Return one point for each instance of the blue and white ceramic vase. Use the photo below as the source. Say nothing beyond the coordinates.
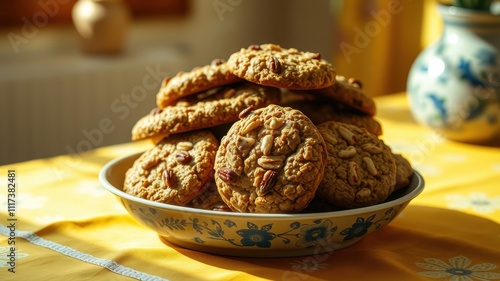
(454, 85)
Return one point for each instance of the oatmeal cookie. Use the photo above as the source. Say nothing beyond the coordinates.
(272, 65)
(350, 93)
(320, 111)
(210, 200)
(197, 80)
(270, 161)
(205, 110)
(174, 171)
(361, 169)
(404, 171)
(319, 205)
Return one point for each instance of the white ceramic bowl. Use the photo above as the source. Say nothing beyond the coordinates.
(256, 235)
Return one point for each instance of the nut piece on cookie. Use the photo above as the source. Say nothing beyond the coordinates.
(270, 161)
(272, 65)
(361, 169)
(199, 79)
(174, 171)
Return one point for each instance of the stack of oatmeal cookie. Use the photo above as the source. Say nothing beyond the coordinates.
(270, 130)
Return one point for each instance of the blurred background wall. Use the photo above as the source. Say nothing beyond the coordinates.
(57, 99)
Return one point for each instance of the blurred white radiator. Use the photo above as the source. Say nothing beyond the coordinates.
(77, 104)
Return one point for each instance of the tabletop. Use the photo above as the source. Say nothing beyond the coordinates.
(59, 223)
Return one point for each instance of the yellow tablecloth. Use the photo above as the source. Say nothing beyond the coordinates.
(65, 226)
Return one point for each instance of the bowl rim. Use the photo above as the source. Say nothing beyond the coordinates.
(417, 177)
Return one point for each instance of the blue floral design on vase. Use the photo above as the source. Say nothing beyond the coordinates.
(454, 85)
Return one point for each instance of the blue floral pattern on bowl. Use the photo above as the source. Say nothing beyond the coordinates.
(256, 235)
(303, 234)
